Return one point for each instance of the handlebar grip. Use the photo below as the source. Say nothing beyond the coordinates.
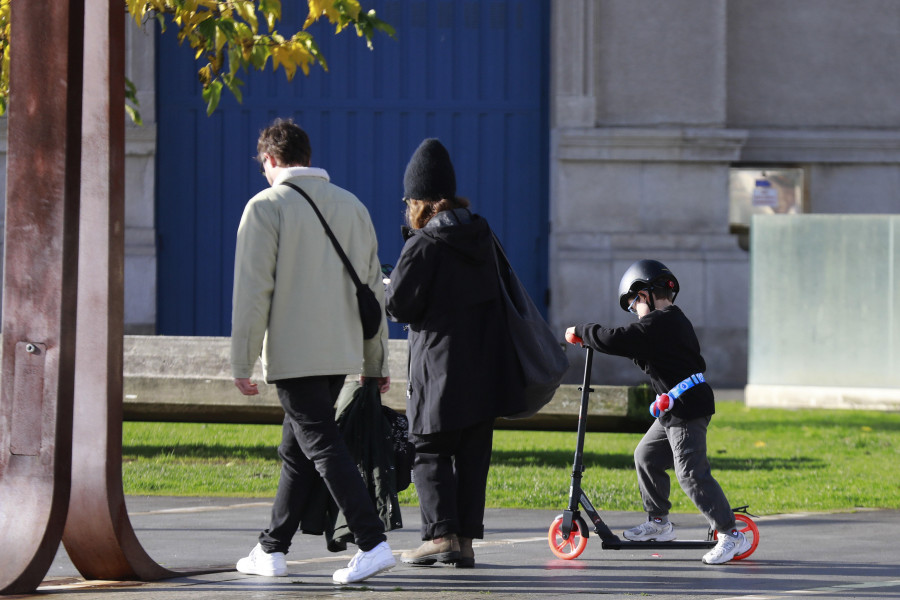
(573, 339)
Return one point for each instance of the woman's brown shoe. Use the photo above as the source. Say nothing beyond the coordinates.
(445, 550)
(466, 554)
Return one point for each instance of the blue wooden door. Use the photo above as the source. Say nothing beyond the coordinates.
(472, 73)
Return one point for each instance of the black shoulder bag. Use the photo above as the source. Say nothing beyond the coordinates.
(540, 355)
(370, 312)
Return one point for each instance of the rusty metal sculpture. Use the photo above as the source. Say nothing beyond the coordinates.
(40, 277)
(61, 402)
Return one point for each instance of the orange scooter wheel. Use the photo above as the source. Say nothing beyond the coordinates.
(746, 526)
(567, 549)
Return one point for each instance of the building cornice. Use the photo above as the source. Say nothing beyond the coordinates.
(634, 144)
(822, 146)
(644, 144)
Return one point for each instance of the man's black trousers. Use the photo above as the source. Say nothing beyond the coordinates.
(312, 447)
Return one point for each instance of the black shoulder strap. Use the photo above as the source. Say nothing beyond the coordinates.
(330, 234)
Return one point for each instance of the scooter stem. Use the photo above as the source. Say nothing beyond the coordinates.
(578, 463)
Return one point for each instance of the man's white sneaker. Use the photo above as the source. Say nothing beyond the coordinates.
(651, 531)
(730, 545)
(262, 563)
(365, 564)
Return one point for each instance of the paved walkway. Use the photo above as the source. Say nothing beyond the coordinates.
(831, 556)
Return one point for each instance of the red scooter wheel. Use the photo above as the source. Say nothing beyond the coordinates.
(750, 531)
(567, 549)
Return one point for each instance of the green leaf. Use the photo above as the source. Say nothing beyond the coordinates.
(381, 26)
(235, 59)
(271, 9)
(207, 28)
(133, 114)
(259, 55)
(130, 91)
(212, 94)
(234, 84)
(131, 97)
(226, 26)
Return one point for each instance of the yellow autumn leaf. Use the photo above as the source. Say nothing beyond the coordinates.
(302, 56)
(220, 40)
(204, 74)
(247, 45)
(247, 11)
(319, 8)
(281, 56)
(272, 16)
(276, 57)
(353, 9)
(198, 17)
(137, 10)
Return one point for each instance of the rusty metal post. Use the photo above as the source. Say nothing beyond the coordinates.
(98, 535)
(40, 272)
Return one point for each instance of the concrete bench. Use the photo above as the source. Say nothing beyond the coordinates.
(169, 378)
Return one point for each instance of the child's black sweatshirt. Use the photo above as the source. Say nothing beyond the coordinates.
(663, 344)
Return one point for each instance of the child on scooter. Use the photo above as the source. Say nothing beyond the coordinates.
(663, 344)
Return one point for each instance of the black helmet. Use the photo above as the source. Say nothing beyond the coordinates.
(646, 274)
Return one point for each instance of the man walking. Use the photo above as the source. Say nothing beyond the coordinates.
(295, 306)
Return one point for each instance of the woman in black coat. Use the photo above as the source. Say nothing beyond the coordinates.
(445, 285)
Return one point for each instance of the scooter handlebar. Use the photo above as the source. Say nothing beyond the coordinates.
(573, 339)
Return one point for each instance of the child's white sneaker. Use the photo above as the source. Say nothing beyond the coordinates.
(262, 563)
(651, 531)
(730, 545)
(366, 564)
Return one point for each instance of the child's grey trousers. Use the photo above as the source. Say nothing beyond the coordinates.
(680, 446)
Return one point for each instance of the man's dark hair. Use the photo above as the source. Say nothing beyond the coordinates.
(287, 142)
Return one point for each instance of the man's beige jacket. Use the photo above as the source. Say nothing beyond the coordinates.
(294, 303)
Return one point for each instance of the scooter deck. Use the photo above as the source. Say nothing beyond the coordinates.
(673, 545)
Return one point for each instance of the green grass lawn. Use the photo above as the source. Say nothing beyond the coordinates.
(774, 460)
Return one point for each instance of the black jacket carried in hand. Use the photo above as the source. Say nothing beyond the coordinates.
(664, 345)
(368, 430)
(445, 285)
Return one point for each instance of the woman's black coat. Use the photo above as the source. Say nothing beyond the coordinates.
(446, 286)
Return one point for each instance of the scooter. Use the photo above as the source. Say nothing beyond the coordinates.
(569, 533)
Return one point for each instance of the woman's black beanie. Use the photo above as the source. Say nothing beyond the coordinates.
(429, 174)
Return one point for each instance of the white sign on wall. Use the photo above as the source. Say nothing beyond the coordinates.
(764, 194)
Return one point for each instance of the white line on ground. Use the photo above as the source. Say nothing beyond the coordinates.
(833, 589)
(197, 509)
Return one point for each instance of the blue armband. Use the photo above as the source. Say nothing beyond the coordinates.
(685, 385)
